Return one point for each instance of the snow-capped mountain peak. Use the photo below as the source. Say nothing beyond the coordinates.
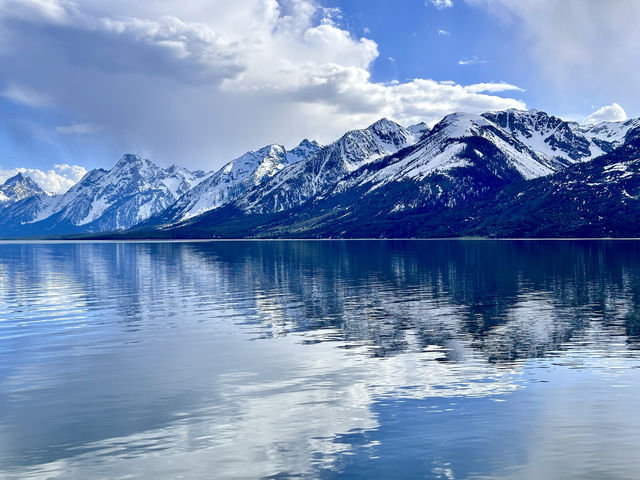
(305, 149)
(608, 135)
(237, 177)
(119, 198)
(393, 168)
(18, 187)
(446, 147)
(391, 135)
(460, 124)
(558, 141)
(255, 165)
(419, 129)
(129, 159)
(303, 180)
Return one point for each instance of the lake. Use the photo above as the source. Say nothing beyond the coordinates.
(331, 359)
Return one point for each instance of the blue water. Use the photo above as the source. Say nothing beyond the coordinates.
(357, 359)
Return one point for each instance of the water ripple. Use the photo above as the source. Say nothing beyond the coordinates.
(452, 359)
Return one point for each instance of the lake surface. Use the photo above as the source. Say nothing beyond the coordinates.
(357, 359)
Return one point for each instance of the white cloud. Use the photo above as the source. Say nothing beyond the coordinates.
(200, 82)
(608, 113)
(57, 180)
(441, 3)
(78, 129)
(471, 61)
(25, 96)
(493, 88)
(54, 11)
(445, 33)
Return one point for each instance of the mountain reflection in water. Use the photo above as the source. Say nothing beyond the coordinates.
(345, 359)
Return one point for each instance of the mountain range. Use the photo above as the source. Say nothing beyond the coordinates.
(503, 174)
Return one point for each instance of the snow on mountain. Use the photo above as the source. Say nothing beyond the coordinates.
(558, 141)
(21, 199)
(524, 159)
(304, 150)
(302, 180)
(235, 178)
(132, 191)
(19, 187)
(381, 170)
(468, 176)
(419, 129)
(447, 147)
(608, 135)
(600, 198)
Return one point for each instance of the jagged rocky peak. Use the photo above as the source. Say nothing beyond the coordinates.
(390, 133)
(20, 179)
(608, 135)
(308, 144)
(301, 181)
(18, 187)
(132, 161)
(529, 123)
(177, 170)
(460, 124)
(257, 163)
(266, 159)
(457, 131)
(305, 149)
(177, 180)
(419, 129)
(270, 160)
(384, 124)
(129, 158)
(524, 121)
(119, 198)
(545, 134)
(235, 178)
(381, 138)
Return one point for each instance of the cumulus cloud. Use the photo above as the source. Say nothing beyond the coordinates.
(445, 33)
(199, 82)
(57, 180)
(440, 4)
(608, 113)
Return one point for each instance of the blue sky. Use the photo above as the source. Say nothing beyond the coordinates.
(427, 42)
(198, 83)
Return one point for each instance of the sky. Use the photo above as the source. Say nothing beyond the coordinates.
(198, 83)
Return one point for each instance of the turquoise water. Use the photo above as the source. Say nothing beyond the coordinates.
(360, 359)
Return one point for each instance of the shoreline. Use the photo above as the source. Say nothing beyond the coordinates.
(209, 240)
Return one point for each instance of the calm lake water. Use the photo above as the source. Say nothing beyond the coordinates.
(360, 360)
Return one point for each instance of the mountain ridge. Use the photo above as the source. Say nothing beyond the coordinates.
(381, 181)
